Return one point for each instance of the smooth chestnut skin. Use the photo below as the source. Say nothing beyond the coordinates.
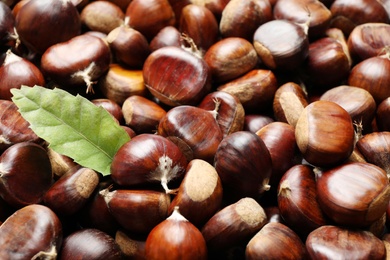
(358, 102)
(354, 194)
(120, 82)
(159, 14)
(289, 102)
(175, 238)
(382, 115)
(281, 44)
(25, 173)
(13, 127)
(128, 46)
(244, 165)
(297, 200)
(85, 58)
(69, 194)
(230, 58)
(242, 18)
(375, 148)
(141, 114)
(279, 137)
(368, 40)
(32, 232)
(231, 113)
(36, 29)
(200, 24)
(148, 158)
(371, 75)
(333, 242)
(91, 244)
(346, 14)
(167, 36)
(137, 211)
(16, 71)
(112, 107)
(255, 89)
(185, 81)
(313, 12)
(102, 16)
(325, 133)
(200, 193)
(195, 130)
(275, 235)
(7, 21)
(254, 122)
(233, 224)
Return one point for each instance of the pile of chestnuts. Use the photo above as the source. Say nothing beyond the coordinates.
(260, 129)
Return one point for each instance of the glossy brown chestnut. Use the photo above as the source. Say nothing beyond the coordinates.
(85, 58)
(333, 242)
(233, 224)
(279, 137)
(325, 133)
(216, 6)
(230, 58)
(102, 16)
(313, 12)
(69, 194)
(36, 29)
(167, 36)
(382, 115)
(242, 18)
(132, 246)
(281, 44)
(119, 83)
(371, 75)
(200, 193)
(159, 14)
(175, 238)
(255, 89)
(32, 232)
(7, 21)
(137, 211)
(368, 40)
(91, 244)
(289, 102)
(254, 122)
(148, 158)
(111, 106)
(297, 200)
(231, 113)
(195, 130)
(16, 71)
(354, 194)
(185, 80)
(13, 127)
(375, 148)
(275, 235)
(244, 165)
(200, 24)
(128, 46)
(25, 173)
(141, 114)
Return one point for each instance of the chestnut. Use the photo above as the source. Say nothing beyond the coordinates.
(91, 244)
(167, 36)
(230, 58)
(334, 242)
(325, 133)
(148, 158)
(275, 235)
(254, 122)
(353, 194)
(132, 246)
(381, 116)
(234, 223)
(7, 21)
(111, 106)
(36, 29)
(32, 232)
(175, 238)
(244, 165)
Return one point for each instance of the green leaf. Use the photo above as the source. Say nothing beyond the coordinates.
(72, 125)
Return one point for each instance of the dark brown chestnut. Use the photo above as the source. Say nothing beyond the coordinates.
(167, 36)
(148, 158)
(254, 122)
(36, 29)
(111, 106)
(382, 115)
(244, 165)
(32, 232)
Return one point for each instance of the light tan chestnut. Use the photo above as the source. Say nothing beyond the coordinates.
(233, 224)
(200, 193)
